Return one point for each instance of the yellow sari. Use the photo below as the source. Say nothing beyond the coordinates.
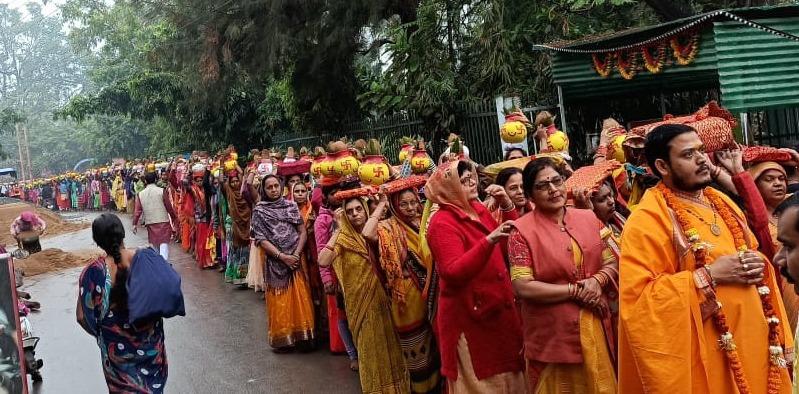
(118, 193)
(382, 366)
(407, 264)
(595, 375)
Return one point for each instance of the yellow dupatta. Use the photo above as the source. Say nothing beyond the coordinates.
(382, 365)
(354, 270)
(396, 238)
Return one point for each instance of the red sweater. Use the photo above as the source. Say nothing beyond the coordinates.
(756, 213)
(475, 296)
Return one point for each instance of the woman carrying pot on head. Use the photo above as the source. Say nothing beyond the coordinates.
(405, 267)
(279, 230)
(478, 324)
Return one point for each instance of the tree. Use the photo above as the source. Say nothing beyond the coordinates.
(668, 10)
(9, 118)
(141, 71)
(39, 72)
(205, 74)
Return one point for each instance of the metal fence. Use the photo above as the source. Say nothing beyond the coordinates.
(388, 130)
(475, 121)
(477, 125)
(776, 127)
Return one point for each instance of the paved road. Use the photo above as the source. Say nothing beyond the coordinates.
(219, 347)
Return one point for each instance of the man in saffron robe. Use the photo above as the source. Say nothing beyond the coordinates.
(700, 310)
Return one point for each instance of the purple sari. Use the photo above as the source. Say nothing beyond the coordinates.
(276, 222)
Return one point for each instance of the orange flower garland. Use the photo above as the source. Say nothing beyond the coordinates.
(627, 64)
(685, 47)
(603, 67)
(726, 341)
(685, 54)
(654, 63)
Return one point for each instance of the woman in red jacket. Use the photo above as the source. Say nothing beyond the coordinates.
(477, 321)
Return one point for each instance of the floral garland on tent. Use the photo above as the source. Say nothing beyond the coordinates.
(654, 61)
(627, 64)
(685, 54)
(684, 48)
(603, 67)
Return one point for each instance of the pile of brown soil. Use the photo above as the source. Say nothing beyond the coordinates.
(49, 260)
(55, 224)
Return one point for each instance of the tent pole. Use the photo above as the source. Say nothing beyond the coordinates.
(562, 107)
(745, 126)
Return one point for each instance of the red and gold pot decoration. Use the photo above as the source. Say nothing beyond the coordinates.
(230, 162)
(513, 132)
(327, 166)
(374, 170)
(406, 149)
(316, 164)
(340, 162)
(345, 163)
(420, 161)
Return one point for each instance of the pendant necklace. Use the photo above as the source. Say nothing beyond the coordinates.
(714, 227)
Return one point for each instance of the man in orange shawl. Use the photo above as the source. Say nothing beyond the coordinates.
(700, 309)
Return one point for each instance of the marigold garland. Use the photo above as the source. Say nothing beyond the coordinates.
(726, 341)
(685, 54)
(603, 67)
(685, 47)
(654, 63)
(627, 64)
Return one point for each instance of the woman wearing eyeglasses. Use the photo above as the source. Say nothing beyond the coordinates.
(480, 335)
(560, 269)
(404, 264)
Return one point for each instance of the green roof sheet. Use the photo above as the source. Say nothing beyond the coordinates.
(757, 70)
(578, 79)
(640, 35)
(753, 59)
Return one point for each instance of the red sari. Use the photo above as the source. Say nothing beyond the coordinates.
(62, 199)
(201, 245)
(186, 220)
(105, 195)
(203, 232)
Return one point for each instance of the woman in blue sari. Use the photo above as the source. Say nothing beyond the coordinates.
(74, 193)
(133, 356)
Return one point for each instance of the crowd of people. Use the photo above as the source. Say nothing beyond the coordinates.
(660, 266)
(106, 188)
